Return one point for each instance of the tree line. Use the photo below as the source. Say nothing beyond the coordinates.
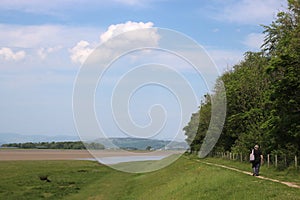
(262, 94)
(54, 145)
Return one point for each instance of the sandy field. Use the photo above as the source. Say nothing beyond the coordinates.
(49, 154)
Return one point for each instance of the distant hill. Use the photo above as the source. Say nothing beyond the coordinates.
(140, 143)
(20, 138)
(124, 143)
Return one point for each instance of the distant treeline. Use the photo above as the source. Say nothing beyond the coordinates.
(55, 145)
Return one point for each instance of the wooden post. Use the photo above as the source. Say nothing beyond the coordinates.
(296, 162)
(268, 160)
(276, 160)
(229, 156)
(285, 163)
(241, 157)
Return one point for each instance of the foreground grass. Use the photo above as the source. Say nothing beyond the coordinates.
(184, 179)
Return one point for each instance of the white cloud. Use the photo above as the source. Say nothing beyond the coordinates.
(129, 2)
(38, 36)
(254, 41)
(249, 11)
(9, 55)
(58, 7)
(225, 59)
(82, 49)
(43, 52)
(116, 29)
(80, 52)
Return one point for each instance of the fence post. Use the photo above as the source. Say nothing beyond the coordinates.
(276, 160)
(285, 162)
(296, 162)
(268, 160)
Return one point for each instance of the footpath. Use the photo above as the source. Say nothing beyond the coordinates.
(249, 173)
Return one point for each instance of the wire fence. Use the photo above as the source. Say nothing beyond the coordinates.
(279, 161)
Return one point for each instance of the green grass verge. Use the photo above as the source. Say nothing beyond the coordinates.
(146, 166)
(290, 174)
(184, 179)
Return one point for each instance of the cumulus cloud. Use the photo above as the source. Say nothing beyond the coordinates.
(249, 11)
(43, 52)
(8, 54)
(82, 49)
(117, 29)
(80, 52)
(37, 36)
(254, 41)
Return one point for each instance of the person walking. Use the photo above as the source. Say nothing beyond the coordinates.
(258, 160)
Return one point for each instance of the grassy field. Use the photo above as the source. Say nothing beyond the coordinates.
(184, 179)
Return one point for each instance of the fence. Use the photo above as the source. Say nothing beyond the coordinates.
(279, 161)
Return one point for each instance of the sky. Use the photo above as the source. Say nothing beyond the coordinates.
(44, 46)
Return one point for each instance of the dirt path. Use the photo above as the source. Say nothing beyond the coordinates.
(249, 173)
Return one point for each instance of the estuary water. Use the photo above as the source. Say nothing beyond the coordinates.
(120, 159)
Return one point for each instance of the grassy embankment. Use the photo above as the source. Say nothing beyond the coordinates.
(184, 179)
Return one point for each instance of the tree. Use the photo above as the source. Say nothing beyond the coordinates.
(263, 95)
(198, 126)
(282, 43)
(148, 148)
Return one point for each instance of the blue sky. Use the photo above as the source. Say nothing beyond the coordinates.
(44, 43)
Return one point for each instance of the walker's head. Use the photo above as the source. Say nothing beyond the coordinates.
(256, 146)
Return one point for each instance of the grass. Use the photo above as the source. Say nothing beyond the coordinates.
(146, 166)
(289, 175)
(184, 179)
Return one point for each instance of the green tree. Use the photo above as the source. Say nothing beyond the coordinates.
(198, 126)
(282, 43)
